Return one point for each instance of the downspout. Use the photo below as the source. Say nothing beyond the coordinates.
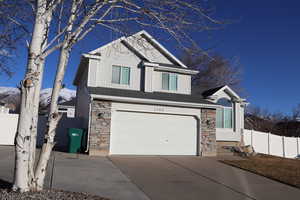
(200, 134)
(89, 126)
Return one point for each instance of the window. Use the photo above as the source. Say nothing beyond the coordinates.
(224, 116)
(120, 75)
(169, 81)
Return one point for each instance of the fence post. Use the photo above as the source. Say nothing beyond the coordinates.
(269, 143)
(252, 137)
(297, 139)
(283, 147)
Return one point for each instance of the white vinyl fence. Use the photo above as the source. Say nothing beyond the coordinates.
(271, 144)
(9, 123)
(8, 128)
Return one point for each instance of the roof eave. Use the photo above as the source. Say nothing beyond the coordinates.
(154, 101)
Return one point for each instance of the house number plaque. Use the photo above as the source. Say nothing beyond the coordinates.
(159, 109)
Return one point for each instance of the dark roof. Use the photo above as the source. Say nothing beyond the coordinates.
(149, 95)
(211, 91)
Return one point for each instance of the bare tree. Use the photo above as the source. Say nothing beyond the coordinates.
(296, 113)
(214, 70)
(62, 24)
(12, 30)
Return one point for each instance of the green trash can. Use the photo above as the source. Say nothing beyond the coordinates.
(75, 140)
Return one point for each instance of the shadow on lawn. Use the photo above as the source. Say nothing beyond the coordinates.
(5, 185)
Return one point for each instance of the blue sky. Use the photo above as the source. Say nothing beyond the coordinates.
(265, 36)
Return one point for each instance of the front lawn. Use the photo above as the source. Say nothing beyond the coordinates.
(281, 169)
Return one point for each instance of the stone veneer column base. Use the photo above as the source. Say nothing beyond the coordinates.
(208, 132)
(94, 152)
(99, 136)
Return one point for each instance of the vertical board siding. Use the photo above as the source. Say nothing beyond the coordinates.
(9, 123)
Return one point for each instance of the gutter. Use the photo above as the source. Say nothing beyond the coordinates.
(155, 102)
(89, 127)
(171, 69)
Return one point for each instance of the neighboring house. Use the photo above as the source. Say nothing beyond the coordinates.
(3, 109)
(6, 105)
(135, 98)
(68, 108)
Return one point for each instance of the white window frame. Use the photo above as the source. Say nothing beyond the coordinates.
(223, 118)
(121, 75)
(169, 81)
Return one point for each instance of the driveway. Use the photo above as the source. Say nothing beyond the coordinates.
(79, 173)
(194, 178)
(155, 178)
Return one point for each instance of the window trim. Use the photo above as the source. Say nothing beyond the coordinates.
(121, 75)
(223, 118)
(169, 81)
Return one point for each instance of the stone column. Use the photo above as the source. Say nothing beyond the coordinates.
(99, 136)
(208, 132)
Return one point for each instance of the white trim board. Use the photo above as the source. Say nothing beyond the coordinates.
(152, 101)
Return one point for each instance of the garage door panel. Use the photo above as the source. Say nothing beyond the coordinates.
(153, 134)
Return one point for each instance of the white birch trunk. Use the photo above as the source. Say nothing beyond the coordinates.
(34, 125)
(30, 86)
(36, 105)
(54, 116)
(53, 120)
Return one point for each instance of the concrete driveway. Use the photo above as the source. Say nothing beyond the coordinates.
(155, 178)
(194, 178)
(79, 173)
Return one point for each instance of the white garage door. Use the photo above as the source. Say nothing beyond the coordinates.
(153, 134)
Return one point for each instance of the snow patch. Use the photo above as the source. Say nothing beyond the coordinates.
(45, 96)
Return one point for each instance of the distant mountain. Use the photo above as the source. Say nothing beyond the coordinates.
(64, 95)
(11, 95)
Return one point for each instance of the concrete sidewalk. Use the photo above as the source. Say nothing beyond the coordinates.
(194, 178)
(93, 175)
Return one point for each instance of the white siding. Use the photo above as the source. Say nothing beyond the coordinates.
(147, 50)
(100, 74)
(100, 71)
(224, 134)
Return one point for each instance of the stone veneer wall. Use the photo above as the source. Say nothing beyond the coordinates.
(208, 132)
(99, 136)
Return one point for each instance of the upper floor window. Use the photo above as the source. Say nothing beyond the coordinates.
(120, 75)
(169, 81)
(225, 114)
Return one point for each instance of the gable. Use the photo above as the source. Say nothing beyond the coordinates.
(144, 46)
(221, 92)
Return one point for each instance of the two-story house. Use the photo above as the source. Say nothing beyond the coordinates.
(135, 98)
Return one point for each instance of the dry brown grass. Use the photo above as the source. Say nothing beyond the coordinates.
(281, 169)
